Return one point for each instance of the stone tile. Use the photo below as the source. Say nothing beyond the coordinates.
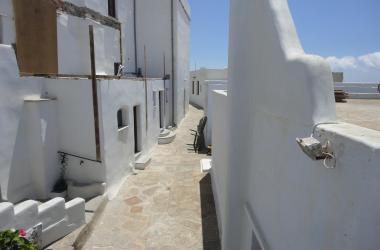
(133, 201)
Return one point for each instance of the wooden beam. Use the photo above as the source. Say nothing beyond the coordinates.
(94, 93)
(146, 90)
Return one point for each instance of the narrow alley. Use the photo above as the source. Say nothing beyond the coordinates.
(167, 206)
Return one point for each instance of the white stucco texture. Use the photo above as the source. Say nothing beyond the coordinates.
(15, 173)
(272, 185)
(118, 145)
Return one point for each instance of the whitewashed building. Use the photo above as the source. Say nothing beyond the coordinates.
(270, 191)
(88, 86)
(202, 83)
(199, 82)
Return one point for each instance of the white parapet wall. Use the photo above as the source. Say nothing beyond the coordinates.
(276, 196)
(210, 87)
(56, 217)
(219, 170)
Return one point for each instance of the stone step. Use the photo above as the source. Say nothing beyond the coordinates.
(165, 132)
(167, 139)
(142, 162)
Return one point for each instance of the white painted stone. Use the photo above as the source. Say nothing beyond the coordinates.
(75, 210)
(167, 139)
(85, 191)
(142, 162)
(26, 214)
(6, 215)
(54, 232)
(51, 212)
(206, 165)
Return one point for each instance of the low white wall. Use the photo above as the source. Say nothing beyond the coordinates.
(210, 87)
(118, 146)
(55, 218)
(219, 170)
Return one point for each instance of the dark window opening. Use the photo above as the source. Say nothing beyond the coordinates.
(198, 88)
(112, 8)
(122, 118)
(137, 128)
(116, 67)
(193, 88)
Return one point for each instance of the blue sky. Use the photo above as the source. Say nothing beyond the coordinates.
(345, 32)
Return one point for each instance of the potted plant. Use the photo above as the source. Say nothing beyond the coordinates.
(15, 240)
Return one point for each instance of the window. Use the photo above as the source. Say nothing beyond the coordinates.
(198, 88)
(116, 67)
(122, 118)
(193, 88)
(112, 8)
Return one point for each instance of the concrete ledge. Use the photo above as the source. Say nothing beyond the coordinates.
(85, 191)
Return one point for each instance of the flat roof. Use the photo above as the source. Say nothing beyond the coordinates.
(365, 113)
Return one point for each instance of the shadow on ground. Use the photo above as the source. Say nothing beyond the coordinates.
(210, 229)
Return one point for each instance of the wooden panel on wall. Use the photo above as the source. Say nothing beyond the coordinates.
(36, 36)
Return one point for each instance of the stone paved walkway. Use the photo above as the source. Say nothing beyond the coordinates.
(167, 206)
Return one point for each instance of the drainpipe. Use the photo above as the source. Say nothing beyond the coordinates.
(173, 65)
(135, 33)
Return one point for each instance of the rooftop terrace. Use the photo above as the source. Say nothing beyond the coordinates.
(365, 113)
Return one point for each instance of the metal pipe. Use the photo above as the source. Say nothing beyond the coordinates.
(173, 65)
(135, 32)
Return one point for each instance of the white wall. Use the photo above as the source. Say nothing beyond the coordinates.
(42, 145)
(154, 33)
(118, 146)
(181, 59)
(7, 29)
(219, 170)
(269, 174)
(13, 155)
(203, 75)
(74, 46)
(210, 87)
